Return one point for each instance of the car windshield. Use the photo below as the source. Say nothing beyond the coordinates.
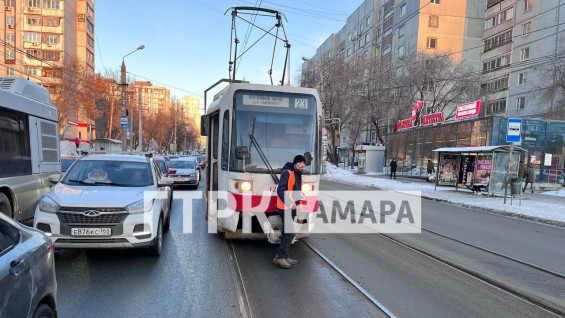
(109, 172)
(66, 164)
(181, 164)
(283, 124)
(200, 158)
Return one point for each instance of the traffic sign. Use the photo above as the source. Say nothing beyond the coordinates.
(513, 133)
(123, 121)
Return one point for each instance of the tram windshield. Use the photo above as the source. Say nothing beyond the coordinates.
(284, 125)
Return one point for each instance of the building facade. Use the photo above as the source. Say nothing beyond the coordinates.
(153, 98)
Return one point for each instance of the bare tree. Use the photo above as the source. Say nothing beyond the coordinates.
(553, 93)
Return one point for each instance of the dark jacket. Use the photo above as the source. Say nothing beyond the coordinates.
(431, 167)
(289, 178)
(530, 174)
(522, 171)
(393, 165)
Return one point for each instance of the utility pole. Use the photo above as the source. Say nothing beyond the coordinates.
(140, 123)
(131, 135)
(124, 85)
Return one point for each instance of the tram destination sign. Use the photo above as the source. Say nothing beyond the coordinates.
(263, 100)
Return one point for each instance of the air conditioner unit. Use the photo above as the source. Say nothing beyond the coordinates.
(49, 44)
(8, 8)
(30, 9)
(10, 26)
(35, 44)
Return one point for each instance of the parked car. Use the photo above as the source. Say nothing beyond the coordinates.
(28, 287)
(185, 171)
(108, 201)
(201, 161)
(67, 162)
(163, 165)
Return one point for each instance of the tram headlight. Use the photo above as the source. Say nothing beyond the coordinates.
(246, 186)
(307, 187)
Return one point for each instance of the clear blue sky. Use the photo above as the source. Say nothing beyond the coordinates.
(187, 42)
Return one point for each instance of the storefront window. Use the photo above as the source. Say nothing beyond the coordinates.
(480, 132)
(400, 152)
(464, 134)
(418, 171)
(428, 145)
(555, 148)
(409, 163)
(439, 137)
(451, 136)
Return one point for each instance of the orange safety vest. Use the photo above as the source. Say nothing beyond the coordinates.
(290, 185)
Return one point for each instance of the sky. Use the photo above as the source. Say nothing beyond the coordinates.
(187, 42)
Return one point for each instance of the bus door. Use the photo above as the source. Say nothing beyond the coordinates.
(213, 137)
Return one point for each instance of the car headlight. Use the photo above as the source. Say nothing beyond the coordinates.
(307, 187)
(192, 175)
(48, 205)
(140, 206)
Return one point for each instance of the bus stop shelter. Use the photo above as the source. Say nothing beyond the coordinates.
(466, 166)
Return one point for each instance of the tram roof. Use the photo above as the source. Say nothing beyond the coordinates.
(502, 148)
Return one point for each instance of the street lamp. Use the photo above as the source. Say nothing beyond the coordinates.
(124, 84)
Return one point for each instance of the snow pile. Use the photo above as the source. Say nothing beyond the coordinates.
(546, 210)
(334, 171)
(560, 193)
(68, 149)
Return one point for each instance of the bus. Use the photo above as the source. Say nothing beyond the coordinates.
(252, 131)
(29, 146)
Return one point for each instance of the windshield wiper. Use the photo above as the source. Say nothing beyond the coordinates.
(98, 183)
(80, 181)
(264, 158)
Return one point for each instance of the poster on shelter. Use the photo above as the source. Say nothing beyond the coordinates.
(484, 166)
(448, 169)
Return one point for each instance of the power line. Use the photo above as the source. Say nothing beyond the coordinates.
(165, 84)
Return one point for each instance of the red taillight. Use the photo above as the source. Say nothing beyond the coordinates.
(52, 246)
(172, 171)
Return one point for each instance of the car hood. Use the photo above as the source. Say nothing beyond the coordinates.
(98, 196)
(183, 171)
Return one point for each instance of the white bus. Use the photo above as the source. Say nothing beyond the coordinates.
(252, 131)
(29, 146)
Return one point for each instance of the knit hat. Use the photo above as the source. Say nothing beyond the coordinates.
(298, 158)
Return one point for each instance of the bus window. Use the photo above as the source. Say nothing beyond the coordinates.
(216, 131)
(14, 149)
(225, 140)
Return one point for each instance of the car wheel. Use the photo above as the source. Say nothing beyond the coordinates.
(167, 223)
(5, 206)
(157, 247)
(43, 311)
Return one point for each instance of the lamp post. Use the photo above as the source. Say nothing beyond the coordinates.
(124, 85)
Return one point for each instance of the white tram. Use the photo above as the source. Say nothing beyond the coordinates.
(253, 130)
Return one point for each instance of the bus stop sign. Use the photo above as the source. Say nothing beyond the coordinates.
(513, 133)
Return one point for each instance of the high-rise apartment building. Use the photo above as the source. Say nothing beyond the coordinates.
(40, 37)
(153, 98)
(191, 107)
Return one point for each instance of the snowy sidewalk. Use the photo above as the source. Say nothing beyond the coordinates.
(542, 207)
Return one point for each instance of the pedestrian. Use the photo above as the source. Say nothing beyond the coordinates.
(287, 203)
(522, 173)
(530, 177)
(431, 170)
(77, 142)
(393, 166)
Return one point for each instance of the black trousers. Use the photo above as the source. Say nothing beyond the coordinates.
(286, 238)
(393, 172)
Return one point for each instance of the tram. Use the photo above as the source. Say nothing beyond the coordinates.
(252, 131)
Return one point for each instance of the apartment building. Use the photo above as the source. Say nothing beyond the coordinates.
(153, 98)
(192, 112)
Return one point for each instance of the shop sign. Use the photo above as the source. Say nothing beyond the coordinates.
(547, 159)
(432, 119)
(468, 110)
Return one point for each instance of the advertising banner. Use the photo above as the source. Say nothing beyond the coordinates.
(468, 110)
(448, 169)
(484, 167)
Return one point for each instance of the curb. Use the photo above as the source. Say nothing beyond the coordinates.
(465, 205)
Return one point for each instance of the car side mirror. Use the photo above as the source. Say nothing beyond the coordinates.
(203, 130)
(241, 152)
(165, 182)
(308, 158)
(54, 178)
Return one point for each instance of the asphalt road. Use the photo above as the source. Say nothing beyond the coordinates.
(193, 277)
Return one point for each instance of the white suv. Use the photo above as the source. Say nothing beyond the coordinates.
(108, 201)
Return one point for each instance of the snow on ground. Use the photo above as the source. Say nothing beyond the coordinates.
(560, 193)
(548, 210)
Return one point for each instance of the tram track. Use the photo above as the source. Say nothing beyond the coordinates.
(508, 288)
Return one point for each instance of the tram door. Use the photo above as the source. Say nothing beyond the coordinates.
(213, 159)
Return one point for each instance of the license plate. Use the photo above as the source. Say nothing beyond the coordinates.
(91, 231)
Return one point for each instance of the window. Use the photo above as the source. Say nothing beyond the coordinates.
(528, 5)
(10, 55)
(90, 26)
(9, 3)
(33, 54)
(354, 47)
(496, 63)
(428, 87)
(32, 37)
(89, 56)
(498, 40)
(348, 52)
(52, 4)
(378, 51)
(401, 51)
(387, 50)
(32, 3)
(401, 30)
(349, 37)
(51, 55)
(379, 33)
(403, 10)
(522, 78)
(367, 38)
(432, 43)
(51, 21)
(499, 18)
(33, 20)
(10, 20)
(387, 32)
(434, 1)
(495, 107)
(496, 85)
(389, 13)
(225, 140)
(524, 54)
(10, 71)
(51, 39)
(521, 103)
(361, 27)
(368, 21)
(433, 21)
(360, 43)
(30, 71)
(10, 37)
(526, 28)
(90, 40)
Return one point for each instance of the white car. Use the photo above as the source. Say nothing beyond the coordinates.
(108, 201)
